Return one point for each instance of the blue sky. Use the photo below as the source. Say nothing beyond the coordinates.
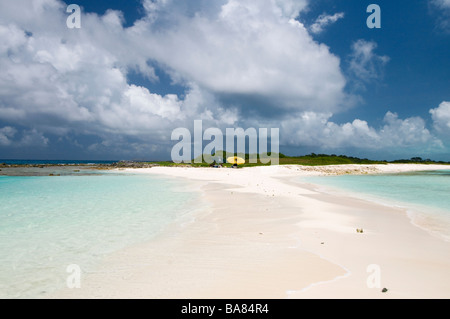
(117, 87)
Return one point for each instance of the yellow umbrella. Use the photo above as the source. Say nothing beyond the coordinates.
(235, 160)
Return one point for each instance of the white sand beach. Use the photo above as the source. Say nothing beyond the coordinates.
(262, 235)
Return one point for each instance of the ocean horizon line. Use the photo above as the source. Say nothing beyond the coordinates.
(324, 159)
(55, 161)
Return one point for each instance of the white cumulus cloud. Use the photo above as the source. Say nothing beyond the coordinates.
(445, 4)
(443, 14)
(226, 54)
(325, 20)
(57, 80)
(314, 129)
(365, 66)
(441, 117)
(248, 48)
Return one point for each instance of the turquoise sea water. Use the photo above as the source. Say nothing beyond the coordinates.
(426, 195)
(49, 223)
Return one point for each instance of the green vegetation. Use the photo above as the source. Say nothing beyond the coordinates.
(308, 160)
(418, 160)
(324, 159)
(220, 157)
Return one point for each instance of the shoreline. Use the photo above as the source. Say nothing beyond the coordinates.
(265, 237)
(419, 214)
(80, 169)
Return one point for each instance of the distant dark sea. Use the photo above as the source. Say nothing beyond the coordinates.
(55, 162)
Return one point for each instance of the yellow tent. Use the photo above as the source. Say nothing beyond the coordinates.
(235, 160)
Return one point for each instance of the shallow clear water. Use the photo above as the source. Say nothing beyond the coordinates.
(49, 223)
(425, 194)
